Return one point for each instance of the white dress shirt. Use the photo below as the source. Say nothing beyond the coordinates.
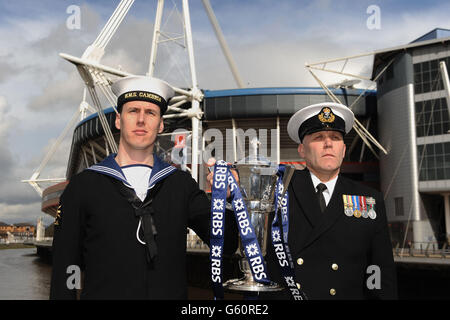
(330, 186)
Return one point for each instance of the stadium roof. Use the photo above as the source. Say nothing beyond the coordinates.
(263, 91)
(279, 90)
(437, 35)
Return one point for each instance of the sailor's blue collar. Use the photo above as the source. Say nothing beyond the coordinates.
(110, 167)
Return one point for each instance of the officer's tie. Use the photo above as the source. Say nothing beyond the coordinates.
(320, 189)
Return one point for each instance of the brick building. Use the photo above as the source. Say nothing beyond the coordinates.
(17, 230)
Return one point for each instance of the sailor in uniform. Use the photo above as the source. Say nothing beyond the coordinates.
(338, 235)
(123, 221)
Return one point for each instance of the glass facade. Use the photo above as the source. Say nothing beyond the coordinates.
(432, 117)
(434, 161)
(427, 76)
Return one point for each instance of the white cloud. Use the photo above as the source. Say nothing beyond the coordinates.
(6, 158)
(17, 213)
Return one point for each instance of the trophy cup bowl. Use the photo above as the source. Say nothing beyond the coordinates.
(257, 180)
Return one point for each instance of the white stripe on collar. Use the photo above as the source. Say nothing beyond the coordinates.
(160, 175)
(108, 170)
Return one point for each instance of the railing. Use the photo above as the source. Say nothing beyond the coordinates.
(423, 250)
(15, 240)
(24, 240)
(43, 239)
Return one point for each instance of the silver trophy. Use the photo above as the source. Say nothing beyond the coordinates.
(257, 179)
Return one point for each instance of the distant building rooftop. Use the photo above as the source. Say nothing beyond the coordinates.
(24, 224)
(433, 34)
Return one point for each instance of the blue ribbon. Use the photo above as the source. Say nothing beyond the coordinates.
(222, 179)
(357, 204)
(280, 238)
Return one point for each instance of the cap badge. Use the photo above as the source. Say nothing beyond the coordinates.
(326, 115)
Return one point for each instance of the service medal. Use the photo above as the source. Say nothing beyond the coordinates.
(364, 212)
(357, 211)
(371, 204)
(348, 205)
(344, 200)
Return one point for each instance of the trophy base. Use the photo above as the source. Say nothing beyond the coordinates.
(246, 284)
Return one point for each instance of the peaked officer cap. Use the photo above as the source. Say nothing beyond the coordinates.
(320, 117)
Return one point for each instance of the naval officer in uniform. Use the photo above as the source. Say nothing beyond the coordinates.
(123, 221)
(338, 234)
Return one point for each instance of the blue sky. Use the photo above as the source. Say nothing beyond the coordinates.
(270, 41)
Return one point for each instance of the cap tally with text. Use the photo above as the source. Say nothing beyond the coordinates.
(142, 88)
(320, 117)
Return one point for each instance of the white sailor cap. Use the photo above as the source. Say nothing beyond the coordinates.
(142, 88)
(320, 117)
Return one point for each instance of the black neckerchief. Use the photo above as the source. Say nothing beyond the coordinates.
(144, 211)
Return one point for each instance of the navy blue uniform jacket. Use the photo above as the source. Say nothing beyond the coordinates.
(97, 232)
(332, 252)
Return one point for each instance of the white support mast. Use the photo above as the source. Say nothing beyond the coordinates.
(363, 132)
(223, 43)
(155, 39)
(34, 180)
(231, 64)
(195, 110)
(96, 78)
(446, 82)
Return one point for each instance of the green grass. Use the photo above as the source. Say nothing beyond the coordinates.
(15, 246)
